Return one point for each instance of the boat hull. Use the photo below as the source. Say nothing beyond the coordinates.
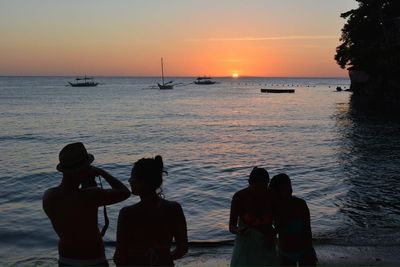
(165, 86)
(83, 84)
(204, 82)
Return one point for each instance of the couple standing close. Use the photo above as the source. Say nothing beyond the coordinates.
(145, 230)
(264, 210)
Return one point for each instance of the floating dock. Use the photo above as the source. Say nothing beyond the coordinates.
(279, 91)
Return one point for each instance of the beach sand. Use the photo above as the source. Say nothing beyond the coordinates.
(220, 256)
(328, 255)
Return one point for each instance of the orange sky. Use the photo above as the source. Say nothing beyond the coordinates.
(218, 38)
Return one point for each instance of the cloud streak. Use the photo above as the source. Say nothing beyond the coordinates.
(271, 38)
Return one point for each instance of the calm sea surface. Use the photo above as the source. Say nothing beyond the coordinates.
(345, 165)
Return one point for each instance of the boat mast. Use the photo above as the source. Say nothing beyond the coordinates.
(162, 71)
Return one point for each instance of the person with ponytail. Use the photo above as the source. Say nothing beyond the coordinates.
(146, 229)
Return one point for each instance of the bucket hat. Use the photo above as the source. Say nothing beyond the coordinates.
(74, 157)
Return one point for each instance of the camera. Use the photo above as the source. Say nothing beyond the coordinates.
(89, 182)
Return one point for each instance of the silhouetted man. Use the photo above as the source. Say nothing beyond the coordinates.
(251, 221)
(72, 208)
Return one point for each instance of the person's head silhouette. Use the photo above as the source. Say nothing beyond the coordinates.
(146, 229)
(74, 158)
(281, 185)
(146, 176)
(75, 164)
(258, 180)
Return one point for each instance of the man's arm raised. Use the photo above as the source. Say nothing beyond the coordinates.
(117, 193)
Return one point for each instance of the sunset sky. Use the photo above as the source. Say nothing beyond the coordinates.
(195, 37)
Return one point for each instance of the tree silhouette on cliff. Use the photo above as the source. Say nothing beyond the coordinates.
(370, 38)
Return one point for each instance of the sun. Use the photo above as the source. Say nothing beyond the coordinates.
(235, 75)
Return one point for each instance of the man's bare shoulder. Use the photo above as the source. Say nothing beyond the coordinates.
(51, 193)
(49, 198)
(241, 193)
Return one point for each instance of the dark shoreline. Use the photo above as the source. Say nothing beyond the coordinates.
(328, 255)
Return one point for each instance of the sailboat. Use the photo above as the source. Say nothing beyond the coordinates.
(87, 82)
(167, 85)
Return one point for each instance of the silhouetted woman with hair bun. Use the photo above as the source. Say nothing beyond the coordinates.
(145, 230)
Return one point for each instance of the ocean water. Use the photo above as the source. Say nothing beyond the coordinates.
(343, 163)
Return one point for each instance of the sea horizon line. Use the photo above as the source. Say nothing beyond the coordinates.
(178, 76)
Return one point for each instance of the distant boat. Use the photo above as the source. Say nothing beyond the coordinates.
(204, 81)
(83, 82)
(277, 91)
(167, 85)
(340, 89)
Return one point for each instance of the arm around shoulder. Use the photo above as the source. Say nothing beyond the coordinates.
(234, 215)
(180, 233)
(307, 221)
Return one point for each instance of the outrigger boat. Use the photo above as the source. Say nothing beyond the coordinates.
(167, 85)
(87, 82)
(204, 81)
